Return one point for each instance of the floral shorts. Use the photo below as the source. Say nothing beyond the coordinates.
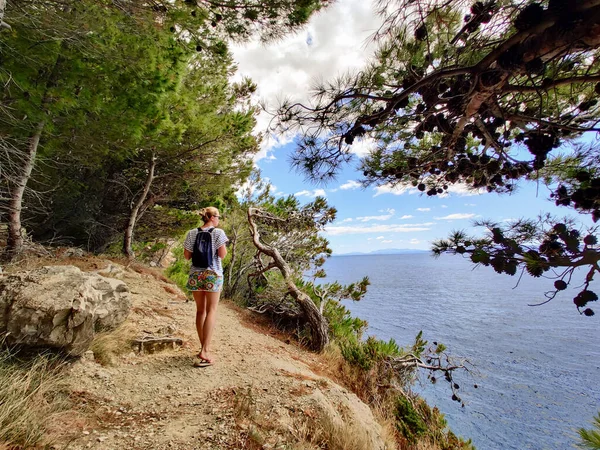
(207, 280)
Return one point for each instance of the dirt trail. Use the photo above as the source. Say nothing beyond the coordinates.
(260, 392)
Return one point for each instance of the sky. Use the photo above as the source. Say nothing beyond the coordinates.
(337, 41)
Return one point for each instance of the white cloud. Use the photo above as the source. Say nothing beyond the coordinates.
(363, 146)
(351, 184)
(456, 216)
(380, 237)
(335, 41)
(396, 190)
(380, 228)
(460, 190)
(415, 241)
(347, 220)
(386, 242)
(315, 193)
(381, 217)
(444, 206)
(423, 209)
(407, 216)
(470, 204)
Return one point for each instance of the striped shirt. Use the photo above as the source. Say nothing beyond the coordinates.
(218, 240)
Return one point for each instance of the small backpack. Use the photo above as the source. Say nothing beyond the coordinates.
(203, 254)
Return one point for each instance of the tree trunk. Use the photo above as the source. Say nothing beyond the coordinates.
(14, 242)
(2, 8)
(232, 260)
(316, 321)
(133, 217)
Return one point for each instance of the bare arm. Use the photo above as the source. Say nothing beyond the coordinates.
(187, 254)
(221, 251)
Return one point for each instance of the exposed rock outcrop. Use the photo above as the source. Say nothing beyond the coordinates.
(60, 307)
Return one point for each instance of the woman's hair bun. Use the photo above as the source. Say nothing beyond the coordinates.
(208, 212)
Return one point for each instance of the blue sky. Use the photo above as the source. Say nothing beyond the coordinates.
(373, 219)
(337, 41)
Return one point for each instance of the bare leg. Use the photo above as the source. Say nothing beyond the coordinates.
(212, 300)
(200, 298)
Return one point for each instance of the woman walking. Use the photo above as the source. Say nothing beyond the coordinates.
(205, 246)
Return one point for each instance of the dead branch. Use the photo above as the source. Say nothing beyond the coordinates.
(315, 320)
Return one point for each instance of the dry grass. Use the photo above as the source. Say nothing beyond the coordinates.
(251, 439)
(108, 345)
(31, 395)
(332, 365)
(323, 432)
(249, 420)
(244, 405)
(309, 430)
(425, 445)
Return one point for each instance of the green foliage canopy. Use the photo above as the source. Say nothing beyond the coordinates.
(115, 91)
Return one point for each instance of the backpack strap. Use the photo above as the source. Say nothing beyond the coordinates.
(200, 230)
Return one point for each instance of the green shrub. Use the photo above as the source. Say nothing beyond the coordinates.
(353, 353)
(590, 438)
(342, 326)
(179, 270)
(365, 354)
(408, 421)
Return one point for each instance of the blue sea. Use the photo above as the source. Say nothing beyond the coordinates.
(537, 368)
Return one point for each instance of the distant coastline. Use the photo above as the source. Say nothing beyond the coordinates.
(386, 251)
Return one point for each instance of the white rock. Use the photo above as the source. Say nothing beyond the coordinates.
(60, 307)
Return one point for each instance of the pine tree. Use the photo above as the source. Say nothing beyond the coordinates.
(479, 93)
(125, 107)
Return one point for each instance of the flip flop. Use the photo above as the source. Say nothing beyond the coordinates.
(201, 362)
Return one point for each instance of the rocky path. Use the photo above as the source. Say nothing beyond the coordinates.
(260, 393)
